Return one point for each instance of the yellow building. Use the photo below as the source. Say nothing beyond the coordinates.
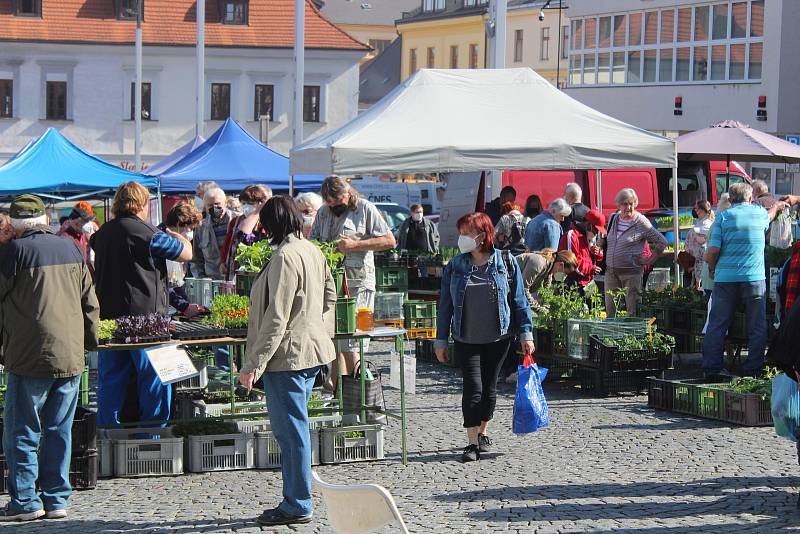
(444, 34)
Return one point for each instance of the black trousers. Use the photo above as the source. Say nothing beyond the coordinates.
(480, 365)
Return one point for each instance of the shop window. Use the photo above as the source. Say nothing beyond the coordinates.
(146, 101)
(220, 101)
(311, 103)
(56, 101)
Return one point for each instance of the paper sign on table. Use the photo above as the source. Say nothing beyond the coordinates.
(171, 363)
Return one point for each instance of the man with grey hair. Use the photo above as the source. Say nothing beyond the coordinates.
(200, 194)
(49, 315)
(544, 231)
(735, 260)
(573, 194)
(209, 238)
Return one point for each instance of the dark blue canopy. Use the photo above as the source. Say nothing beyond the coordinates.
(53, 166)
(234, 159)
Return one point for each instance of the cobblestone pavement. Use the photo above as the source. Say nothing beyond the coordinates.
(604, 465)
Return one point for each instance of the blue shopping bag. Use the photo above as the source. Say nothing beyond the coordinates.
(530, 406)
(785, 403)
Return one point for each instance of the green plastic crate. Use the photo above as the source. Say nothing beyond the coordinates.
(663, 315)
(644, 311)
(419, 309)
(84, 388)
(345, 316)
(244, 282)
(709, 401)
(392, 276)
(409, 323)
(697, 321)
(683, 397)
(695, 344)
(338, 279)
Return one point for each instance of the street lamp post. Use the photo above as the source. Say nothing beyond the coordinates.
(558, 52)
(137, 104)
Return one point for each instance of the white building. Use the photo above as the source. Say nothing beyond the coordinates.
(674, 66)
(70, 64)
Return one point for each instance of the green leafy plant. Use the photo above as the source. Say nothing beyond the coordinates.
(205, 427)
(355, 434)
(559, 302)
(448, 253)
(333, 256)
(253, 258)
(666, 222)
(618, 298)
(760, 386)
(106, 328)
(632, 348)
(230, 311)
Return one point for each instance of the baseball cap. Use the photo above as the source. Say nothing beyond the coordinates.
(26, 207)
(82, 214)
(596, 219)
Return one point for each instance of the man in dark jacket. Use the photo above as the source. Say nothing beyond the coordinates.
(49, 316)
(494, 209)
(418, 233)
(131, 270)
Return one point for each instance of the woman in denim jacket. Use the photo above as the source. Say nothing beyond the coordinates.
(486, 312)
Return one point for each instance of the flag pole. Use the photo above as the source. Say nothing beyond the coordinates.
(299, 72)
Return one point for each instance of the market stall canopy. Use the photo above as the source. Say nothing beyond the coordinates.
(489, 119)
(234, 159)
(167, 162)
(54, 167)
(732, 139)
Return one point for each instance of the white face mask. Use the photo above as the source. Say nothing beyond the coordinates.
(248, 209)
(416, 217)
(189, 235)
(88, 228)
(466, 244)
(308, 220)
(559, 277)
(198, 203)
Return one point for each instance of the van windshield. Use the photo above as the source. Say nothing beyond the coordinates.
(692, 185)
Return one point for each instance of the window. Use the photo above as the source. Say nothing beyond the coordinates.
(604, 31)
(590, 27)
(518, 40)
(718, 57)
(665, 65)
(635, 29)
(6, 99)
(618, 68)
(577, 34)
(473, 56)
(264, 99)
(650, 27)
(432, 5)
(649, 74)
(757, 18)
(56, 101)
(589, 74)
(701, 23)
(454, 57)
(683, 64)
(412, 61)
(739, 20)
(720, 22)
(311, 103)
(544, 45)
(700, 70)
(126, 9)
(603, 68)
(220, 101)
(146, 100)
(379, 45)
(620, 23)
(634, 67)
(28, 8)
(754, 69)
(564, 42)
(783, 181)
(234, 12)
(736, 68)
(724, 183)
(684, 25)
(431, 57)
(667, 26)
(575, 70)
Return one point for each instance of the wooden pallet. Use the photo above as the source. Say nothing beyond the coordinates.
(391, 323)
(421, 333)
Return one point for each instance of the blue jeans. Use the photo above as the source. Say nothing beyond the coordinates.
(114, 370)
(38, 416)
(287, 395)
(725, 300)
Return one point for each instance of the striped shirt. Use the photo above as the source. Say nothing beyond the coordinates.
(164, 246)
(739, 234)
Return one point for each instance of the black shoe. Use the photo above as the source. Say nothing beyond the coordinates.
(484, 443)
(8, 515)
(276, 516)
(471, 453)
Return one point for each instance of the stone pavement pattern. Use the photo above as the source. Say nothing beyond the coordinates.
(605, 465)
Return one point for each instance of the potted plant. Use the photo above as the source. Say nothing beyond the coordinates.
(231, 312)
(142, 328)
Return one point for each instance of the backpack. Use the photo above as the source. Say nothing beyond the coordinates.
(516, 240)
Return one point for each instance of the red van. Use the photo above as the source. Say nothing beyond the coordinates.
(652, 186)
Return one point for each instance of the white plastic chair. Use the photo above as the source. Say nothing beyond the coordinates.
(358, 508)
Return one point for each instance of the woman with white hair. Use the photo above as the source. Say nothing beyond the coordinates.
(544, 230)
(628, 233)
(308, 204)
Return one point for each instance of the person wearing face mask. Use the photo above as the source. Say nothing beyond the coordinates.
(131, 272)
(542, 268)
(697, 237)
(182, 219)
(359, 229)
(483, 305)
(245, 228)
(308, 204)
(418, 233)
(200, 193)
(580, 240)
(628, 233)
(544, 231)
(533, 207)
(210, 236)
(74, 228)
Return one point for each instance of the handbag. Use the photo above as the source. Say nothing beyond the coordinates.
(530, 406)
(373, 395)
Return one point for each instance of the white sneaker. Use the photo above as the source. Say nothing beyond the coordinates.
(61, 513)
(6, 515)
(512, 378)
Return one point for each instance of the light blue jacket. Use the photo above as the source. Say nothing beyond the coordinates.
(451, 302)
(542, 232)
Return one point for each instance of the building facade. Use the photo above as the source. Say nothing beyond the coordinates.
(674, 66)
(452, 34)
(70, 64)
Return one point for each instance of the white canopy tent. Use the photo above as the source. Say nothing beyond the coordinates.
(482, 120)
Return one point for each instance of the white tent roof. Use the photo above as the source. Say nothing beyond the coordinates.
(470, 120)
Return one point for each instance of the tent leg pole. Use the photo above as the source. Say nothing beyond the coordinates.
(600, 190)
(158, 202)
(675, 225)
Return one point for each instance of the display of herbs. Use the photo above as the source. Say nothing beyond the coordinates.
(330, 250)
(559, 302)
(230, 311)
(132, 328)
(448, 253)
(758, 386)
(666, 222)
(633, 348)
(253, 258)
(106, 328)
(205, 427)
(680, 296)
(355, 434)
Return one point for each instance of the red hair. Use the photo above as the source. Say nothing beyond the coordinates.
(479, 223)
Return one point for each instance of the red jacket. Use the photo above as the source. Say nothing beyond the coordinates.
(578, 244)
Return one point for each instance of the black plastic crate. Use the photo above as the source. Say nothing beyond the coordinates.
(423, 350)
(660, 393)
(83, 471)
(84, 431)
(609, 358)
(681, 319)
(196, 330)
(239, 333)
(604, 383)
(557, 369)
(544, 341)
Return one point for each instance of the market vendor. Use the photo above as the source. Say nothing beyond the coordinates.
(183, 219)
(131, 279)
(358, 227)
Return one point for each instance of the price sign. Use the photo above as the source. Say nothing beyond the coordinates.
(171, 363)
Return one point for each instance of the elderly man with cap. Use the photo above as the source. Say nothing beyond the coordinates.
(78, 227)
(49, 316)
(581, 240)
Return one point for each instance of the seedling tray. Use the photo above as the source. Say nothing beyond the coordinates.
(196, 330)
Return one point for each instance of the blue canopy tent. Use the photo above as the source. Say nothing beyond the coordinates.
(234, 159)
(53, 167)
(164, 164)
